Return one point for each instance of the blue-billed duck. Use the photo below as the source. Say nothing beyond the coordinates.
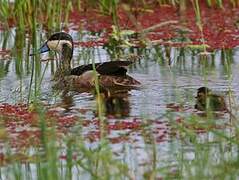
(110, 74)
(205, 99)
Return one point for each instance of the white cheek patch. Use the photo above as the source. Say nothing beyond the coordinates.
(56, 45)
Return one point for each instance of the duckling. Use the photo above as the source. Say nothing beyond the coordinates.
(207, 100)
(110, 74)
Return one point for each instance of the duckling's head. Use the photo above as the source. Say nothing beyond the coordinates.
(203, 91)
(60, 42)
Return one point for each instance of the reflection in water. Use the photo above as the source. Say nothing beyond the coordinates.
(116, 102)
(67, 101)
(4, 68)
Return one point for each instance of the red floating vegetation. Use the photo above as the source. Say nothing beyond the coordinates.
(4, 52)
(91, 20)
(199, 127)
(89, 44)
(220, 25)
(120, 139)
(64, 157)
(93, 136)
(23, 126)
(121, 125)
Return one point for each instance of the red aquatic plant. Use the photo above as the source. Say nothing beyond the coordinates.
(23, 126)
(220, 26)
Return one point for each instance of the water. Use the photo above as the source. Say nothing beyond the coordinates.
(162, 84)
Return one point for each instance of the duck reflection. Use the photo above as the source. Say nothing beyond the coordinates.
(67, 101)
(115, 102)
(111, 102)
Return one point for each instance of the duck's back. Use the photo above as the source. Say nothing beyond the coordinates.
(112, 68)
(110, 75)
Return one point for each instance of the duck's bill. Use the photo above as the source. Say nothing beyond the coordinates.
(43, 49)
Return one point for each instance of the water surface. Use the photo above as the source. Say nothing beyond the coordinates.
(165, 80)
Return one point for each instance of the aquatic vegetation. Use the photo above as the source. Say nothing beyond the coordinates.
(21, 13)
(153, 132)
(22, 125)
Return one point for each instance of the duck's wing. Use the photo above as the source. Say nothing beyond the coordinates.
(83, 68)
(118, 81)
(113, 68)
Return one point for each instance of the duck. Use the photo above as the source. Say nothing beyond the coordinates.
(110, 74)
(207, 100)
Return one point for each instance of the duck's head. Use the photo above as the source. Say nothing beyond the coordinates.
(60, 42)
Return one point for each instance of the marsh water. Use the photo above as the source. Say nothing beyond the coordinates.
(165, 79)
(169, 77)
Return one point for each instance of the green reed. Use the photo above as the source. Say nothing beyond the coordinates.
(99, 102)
(4, 12)
(49, 13)
(199, 22)
(110, 7)
(220, 3)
